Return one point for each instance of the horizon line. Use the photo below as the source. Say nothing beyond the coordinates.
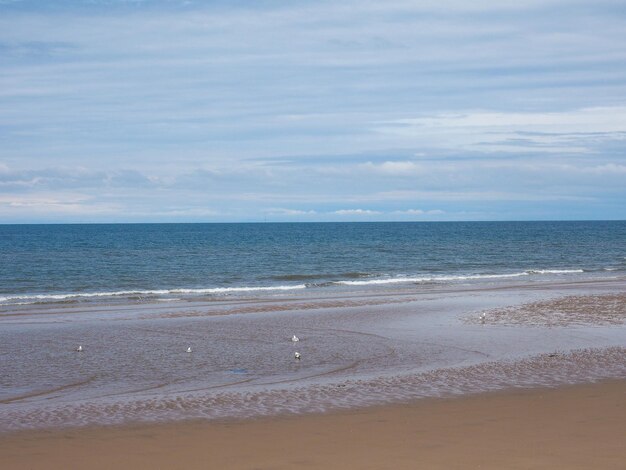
(314, 222)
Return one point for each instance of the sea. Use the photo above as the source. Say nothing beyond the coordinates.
(132, 323)
(161, 262)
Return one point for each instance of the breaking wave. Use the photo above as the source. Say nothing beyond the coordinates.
(423, 279)
(140, 293)
(354, 279)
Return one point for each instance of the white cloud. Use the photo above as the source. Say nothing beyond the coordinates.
(511, 131)
(606, 169)
(288, 212)
(356, 212)
(185, 212)
(394, 168)
(459, 197)
(585, 120)
(45, 204)
(419, 212)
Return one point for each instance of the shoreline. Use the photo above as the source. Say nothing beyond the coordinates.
(569, 427)
(360, 293)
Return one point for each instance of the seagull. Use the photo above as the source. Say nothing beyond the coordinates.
(79, 348)
(297, 355)
(482, 317)
(189, 349)
(295, 339)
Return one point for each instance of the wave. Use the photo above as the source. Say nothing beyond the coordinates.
(555, 271)
(156, 292)
(305, 277)
(173, 294)
(605, 269)
(398, 280)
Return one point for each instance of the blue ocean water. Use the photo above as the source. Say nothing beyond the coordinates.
(86, 263)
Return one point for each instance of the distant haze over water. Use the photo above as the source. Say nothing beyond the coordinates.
(148, 262)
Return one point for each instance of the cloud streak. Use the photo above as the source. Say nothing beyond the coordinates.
(174, 110)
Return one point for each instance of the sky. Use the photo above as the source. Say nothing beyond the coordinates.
(250, 111)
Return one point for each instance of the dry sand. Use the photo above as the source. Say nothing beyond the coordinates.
(575, 427)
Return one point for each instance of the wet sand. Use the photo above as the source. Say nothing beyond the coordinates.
(606, 309)
(357, 351)
(573, 427)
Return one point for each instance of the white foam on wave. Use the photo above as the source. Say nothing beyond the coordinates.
(398, 280)
(124, 293)
(554, 271)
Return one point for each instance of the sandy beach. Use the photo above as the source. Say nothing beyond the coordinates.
(511, 376)
(573, 427)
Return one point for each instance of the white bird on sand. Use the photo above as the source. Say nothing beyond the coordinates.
(79, 348)
(189, 349)
(294, 338)
(297, 355)
(483, 317)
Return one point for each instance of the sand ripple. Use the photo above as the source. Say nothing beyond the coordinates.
(545, 370)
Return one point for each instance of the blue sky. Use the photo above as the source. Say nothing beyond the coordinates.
(166, 111)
